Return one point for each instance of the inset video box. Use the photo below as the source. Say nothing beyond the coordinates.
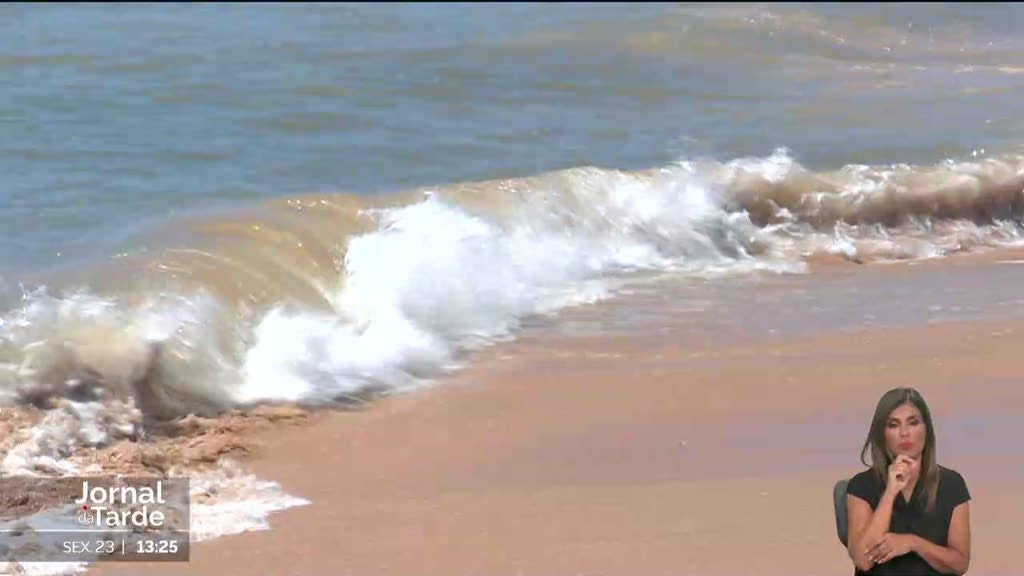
(94, 519)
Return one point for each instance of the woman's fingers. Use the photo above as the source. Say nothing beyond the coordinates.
(902, 471)
(905, 460)
(886, 557)
(878, 550)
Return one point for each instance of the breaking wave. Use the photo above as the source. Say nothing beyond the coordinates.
(318, 298)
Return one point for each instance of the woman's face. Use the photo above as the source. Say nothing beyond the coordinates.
(905, 432)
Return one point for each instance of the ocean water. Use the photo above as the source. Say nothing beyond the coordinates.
(211, 206)
(114, 120)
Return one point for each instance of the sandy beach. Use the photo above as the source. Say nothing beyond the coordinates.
(557, 454)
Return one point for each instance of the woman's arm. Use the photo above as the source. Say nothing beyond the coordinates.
(867, 526)
(956, 558)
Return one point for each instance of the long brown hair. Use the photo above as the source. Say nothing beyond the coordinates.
(875, 442)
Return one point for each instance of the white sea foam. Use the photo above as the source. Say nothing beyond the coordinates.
(443, 275)
(437, 278)
(227, 500)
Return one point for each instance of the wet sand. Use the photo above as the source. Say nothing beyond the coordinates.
(634, 454)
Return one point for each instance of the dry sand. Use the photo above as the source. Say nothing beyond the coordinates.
(587, 455)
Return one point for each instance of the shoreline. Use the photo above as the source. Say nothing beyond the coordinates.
(626, 459)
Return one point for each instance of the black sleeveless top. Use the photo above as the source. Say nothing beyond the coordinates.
(910, 518)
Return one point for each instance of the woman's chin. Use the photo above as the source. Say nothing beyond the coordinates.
(911, 452)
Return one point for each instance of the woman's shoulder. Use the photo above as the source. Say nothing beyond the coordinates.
(950, 475)
(866, 475)
(865, 485)
(952, 484)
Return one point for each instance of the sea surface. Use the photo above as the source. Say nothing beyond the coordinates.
(114, 120)
(213, 206)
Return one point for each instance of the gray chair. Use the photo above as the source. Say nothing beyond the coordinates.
(839, 501)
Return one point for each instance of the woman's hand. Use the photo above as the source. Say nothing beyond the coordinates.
(890, 546)
(902, 469)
